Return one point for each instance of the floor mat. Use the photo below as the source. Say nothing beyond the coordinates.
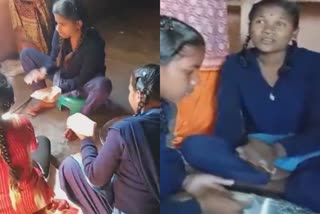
(11, 68)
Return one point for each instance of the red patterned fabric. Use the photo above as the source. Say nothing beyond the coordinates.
(35, 192)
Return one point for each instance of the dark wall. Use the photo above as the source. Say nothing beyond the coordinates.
(141, 3)
(98, 8)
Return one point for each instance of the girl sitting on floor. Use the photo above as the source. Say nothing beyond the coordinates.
(24, 162)
(268, 111)
(182, 51)
(128, 160)
(76, 63)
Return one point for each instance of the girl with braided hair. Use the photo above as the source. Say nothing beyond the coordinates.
(269, 101)
(268, 124)
(76, 63)
(182, 51)
(128, 160)
(196, 112)
(24, 162)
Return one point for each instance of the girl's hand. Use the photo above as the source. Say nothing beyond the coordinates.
(280, 174)
(259, 154)
(81, 137)
(35, 75)
(196, 184)
(70, 135)
(59, 205)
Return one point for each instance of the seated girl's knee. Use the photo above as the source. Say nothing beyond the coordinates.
(190, 145)
(190, 142)
(106, 84)
(201, 144)
(67, 166)
(26, 52)
(103, 85)
(194, 140)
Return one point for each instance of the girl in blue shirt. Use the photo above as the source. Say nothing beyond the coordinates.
(76, 63)
(268, 110)
(181, 53)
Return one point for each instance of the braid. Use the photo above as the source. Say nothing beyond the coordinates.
(14, 173)
(146, 81)
(65, 58)
(243, 53)
(287, 64)
(6, 101)
(143, 100)
(61, 48)
(82, 37)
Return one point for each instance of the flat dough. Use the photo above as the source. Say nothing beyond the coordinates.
(50, 94)
(81, 124)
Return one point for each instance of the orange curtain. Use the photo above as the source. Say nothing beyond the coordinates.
(196, 112)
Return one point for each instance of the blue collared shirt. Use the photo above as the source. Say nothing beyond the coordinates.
(172, 171)
(248, 104)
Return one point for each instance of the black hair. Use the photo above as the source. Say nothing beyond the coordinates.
(6, 101)
(71, 10)
(294, 12)
(146, 80)
(174, 36)
(6, 94)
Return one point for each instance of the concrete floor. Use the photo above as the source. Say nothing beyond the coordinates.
(132, 38)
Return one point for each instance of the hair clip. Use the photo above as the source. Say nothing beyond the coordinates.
(166, 24)
(144, 74)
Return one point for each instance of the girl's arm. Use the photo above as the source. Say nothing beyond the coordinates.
(100, 167)
(229, 124)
